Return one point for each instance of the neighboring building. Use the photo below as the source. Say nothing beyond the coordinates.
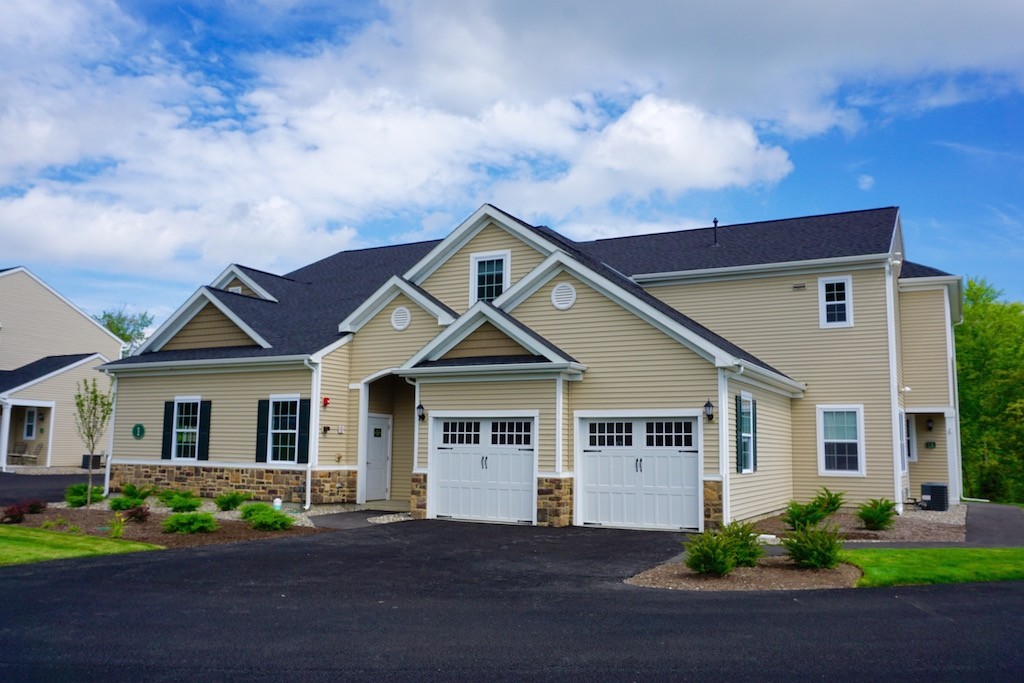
(507, 373)
(47, 347)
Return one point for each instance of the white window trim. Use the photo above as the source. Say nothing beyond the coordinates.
(820, 411)
(282, 398)
(822, 281)
(506, 276)
(747, 398)
(33, 423)
(174, 426)
(911, 440)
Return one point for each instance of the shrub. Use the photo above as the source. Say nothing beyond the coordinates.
(230, 500)
(138, 514)
(742, 537)
(802, 515)
(828, 501)
(877, 514)
(167, 495)
(138, 492)
(187, 503)
(190, 523)
(254, 509)
(74, 529)
(117, 525)
(75, 494)
(814, 547)
(270, 520)
(710, 553)
(125, 503)
(14, 514)
(34, 507)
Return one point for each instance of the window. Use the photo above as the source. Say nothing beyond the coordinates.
(284, 429)
(835, 301)
(518, 433)
(904, 441)
(671, 434)
(186, 429)
(746, 433)
(30, 424)
(490, 275)
(460, 433)
(611, 433)
(840, 440)
(910, 439)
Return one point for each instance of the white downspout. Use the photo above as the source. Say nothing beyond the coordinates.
(723, 444)
(5, 432)
(110, 435)
(894, 402)
(314, 429)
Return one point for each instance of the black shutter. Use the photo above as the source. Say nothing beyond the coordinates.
(303, 454)
(753, 432)
(739, 433)
(262, 427)
(204, 430)
(165, 449)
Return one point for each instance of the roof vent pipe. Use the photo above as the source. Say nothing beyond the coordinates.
(715, 222)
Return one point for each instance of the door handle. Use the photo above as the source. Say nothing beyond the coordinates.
(641, 464)
(636, 464)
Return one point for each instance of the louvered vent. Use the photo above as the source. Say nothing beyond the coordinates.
(563, 296)
(400, 318)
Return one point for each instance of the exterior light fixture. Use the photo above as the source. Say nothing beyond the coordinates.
(709, 410)
(326, 401)
(929, 423)
(421, 413)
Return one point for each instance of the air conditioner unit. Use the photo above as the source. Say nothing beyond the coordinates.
(935, 496)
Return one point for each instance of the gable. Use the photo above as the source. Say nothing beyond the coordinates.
(451, 282)
(242, 288)
(378, 345)
(486, 340)
(209, 328)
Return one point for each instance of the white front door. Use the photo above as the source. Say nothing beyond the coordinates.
(378, 457)
(641, 473)
(483, 468)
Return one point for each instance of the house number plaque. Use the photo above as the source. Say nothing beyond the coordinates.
(138, 431)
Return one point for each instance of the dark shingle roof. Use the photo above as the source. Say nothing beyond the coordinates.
(11, 379)
(912, 270)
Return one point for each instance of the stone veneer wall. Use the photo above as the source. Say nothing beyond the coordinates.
(554, 501)
(330, 486)
(418, 497)
(713, 510)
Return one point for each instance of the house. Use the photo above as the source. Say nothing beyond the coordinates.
(507, 373)
(47, 347)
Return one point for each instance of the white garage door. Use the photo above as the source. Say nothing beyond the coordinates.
(483, 469)
(641, 473)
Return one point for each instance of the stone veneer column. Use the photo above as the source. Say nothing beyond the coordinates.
(554, 501)
(418, 497)
(713, 511)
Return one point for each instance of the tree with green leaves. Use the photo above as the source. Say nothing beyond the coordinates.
(131, 327)
(92, 413)
(990, 367)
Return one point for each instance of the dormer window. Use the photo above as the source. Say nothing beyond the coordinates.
(489, 275)
(835, 301)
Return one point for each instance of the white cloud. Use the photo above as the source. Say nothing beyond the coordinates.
(865, 182)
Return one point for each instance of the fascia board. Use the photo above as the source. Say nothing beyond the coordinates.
(465, 232)
(207, 364)
(754, 270)
(53, 374)
(769, 381)
(189, 310)
(318, 356)
(51, 290)
(384, 295)
(232, 272)
(525, 368)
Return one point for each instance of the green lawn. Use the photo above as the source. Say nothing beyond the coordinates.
(885, 567)
(19, 545)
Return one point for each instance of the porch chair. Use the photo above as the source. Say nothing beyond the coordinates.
(16, 456)
(33, 457)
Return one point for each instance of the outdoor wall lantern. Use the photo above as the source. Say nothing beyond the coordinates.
(929, 423)
(421, 412)
(709, 410)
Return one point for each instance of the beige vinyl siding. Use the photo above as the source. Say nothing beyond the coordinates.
(245, 290)
(208, 329)
(67, 446)
(451, 282)
(334, 379)
(770, 318)
(36, 323)
(403, 425)
(487, 340)
(536, 395)
(631, 365)
(925, 355)
(233, 397)
(932, 463)
(769, 488)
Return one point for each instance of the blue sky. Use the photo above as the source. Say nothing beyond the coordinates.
(145, 145)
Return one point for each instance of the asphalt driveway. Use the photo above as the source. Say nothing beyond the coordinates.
(438, 600)
(16, 488)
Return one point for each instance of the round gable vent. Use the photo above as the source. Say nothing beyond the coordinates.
(400, 318)
(563, 296)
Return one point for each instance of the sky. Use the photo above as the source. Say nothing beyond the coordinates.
(147, 144)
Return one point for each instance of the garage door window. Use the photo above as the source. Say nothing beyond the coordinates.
(460, 433)
(611, 434)
(676, 434)
(511, 433)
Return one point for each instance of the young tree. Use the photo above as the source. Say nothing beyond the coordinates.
(92, 413)
(990, 366)
(131, 327)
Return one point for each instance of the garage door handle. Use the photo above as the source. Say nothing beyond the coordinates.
(444, 448)
(638, 465)
(591, 450)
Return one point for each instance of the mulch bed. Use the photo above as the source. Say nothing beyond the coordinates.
(96, 522)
